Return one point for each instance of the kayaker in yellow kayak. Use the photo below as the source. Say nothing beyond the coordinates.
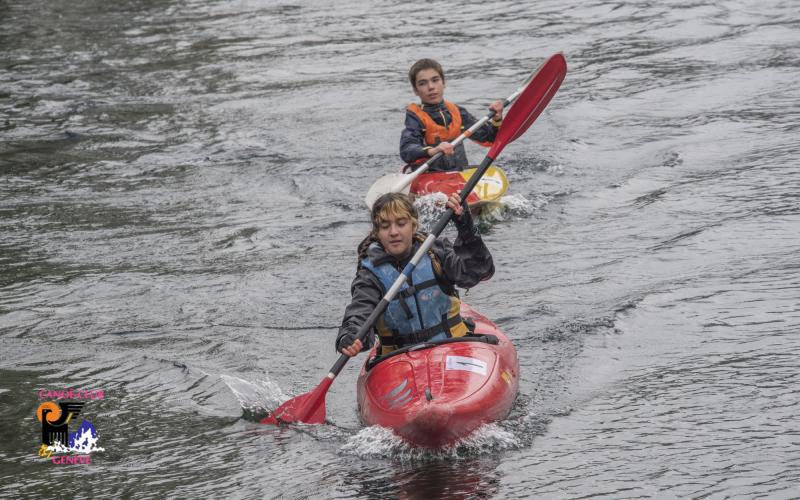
(434, 122)
(427, 307)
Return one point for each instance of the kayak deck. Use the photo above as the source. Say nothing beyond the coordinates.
(491, 187)
(436, 396)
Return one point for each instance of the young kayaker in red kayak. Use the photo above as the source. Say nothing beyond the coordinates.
(427, 308)
(434, 122)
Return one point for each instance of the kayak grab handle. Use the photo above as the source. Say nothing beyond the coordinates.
(486, 339)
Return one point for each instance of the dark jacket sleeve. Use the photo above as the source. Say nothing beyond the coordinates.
(366, 291)
(412, 140)
(486, 133)
(466, 262)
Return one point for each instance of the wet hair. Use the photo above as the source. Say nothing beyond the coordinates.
(395, 206)
(421, 65)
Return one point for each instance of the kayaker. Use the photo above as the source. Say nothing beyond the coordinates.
(432, 124)
(428, 310)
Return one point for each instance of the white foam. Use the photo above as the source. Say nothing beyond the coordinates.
(380, 442)
(520, 206)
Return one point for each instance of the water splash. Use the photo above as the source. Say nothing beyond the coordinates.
(429, 208)
(520, 206)
(380, 442)
(257, 399)
(509, 207)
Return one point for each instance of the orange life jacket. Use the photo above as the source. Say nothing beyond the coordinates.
(435, 133)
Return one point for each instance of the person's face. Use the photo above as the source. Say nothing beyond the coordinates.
(395, 234)
(429, 86)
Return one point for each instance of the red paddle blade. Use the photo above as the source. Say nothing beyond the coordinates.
(308, 408)
(531, 102)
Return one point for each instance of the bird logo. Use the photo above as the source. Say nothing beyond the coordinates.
(55, 418)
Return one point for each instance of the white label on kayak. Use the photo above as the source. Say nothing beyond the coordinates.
(492, 181)
(466, 364)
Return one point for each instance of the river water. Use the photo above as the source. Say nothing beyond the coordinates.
(181, 197)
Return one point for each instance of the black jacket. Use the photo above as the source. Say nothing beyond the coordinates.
(465, 263)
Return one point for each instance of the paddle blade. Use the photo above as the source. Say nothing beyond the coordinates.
(531, 102)
(386, 184)
(308, 408)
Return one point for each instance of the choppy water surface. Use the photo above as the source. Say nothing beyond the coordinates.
(181, 199)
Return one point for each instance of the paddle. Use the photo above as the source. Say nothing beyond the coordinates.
(397, 182)
(309, 408)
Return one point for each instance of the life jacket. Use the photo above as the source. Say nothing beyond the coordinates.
(421, 311)
(435, 133)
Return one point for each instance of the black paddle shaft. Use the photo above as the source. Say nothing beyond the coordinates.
(471, 183)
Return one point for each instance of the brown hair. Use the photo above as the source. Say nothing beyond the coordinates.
(421, 65)
(394, 205)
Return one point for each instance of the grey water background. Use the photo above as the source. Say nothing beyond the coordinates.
(181, 196)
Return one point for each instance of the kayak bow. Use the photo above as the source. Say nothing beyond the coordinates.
(438, 393)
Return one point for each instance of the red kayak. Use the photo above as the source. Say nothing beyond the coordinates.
(437, 393)
(492, 186)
